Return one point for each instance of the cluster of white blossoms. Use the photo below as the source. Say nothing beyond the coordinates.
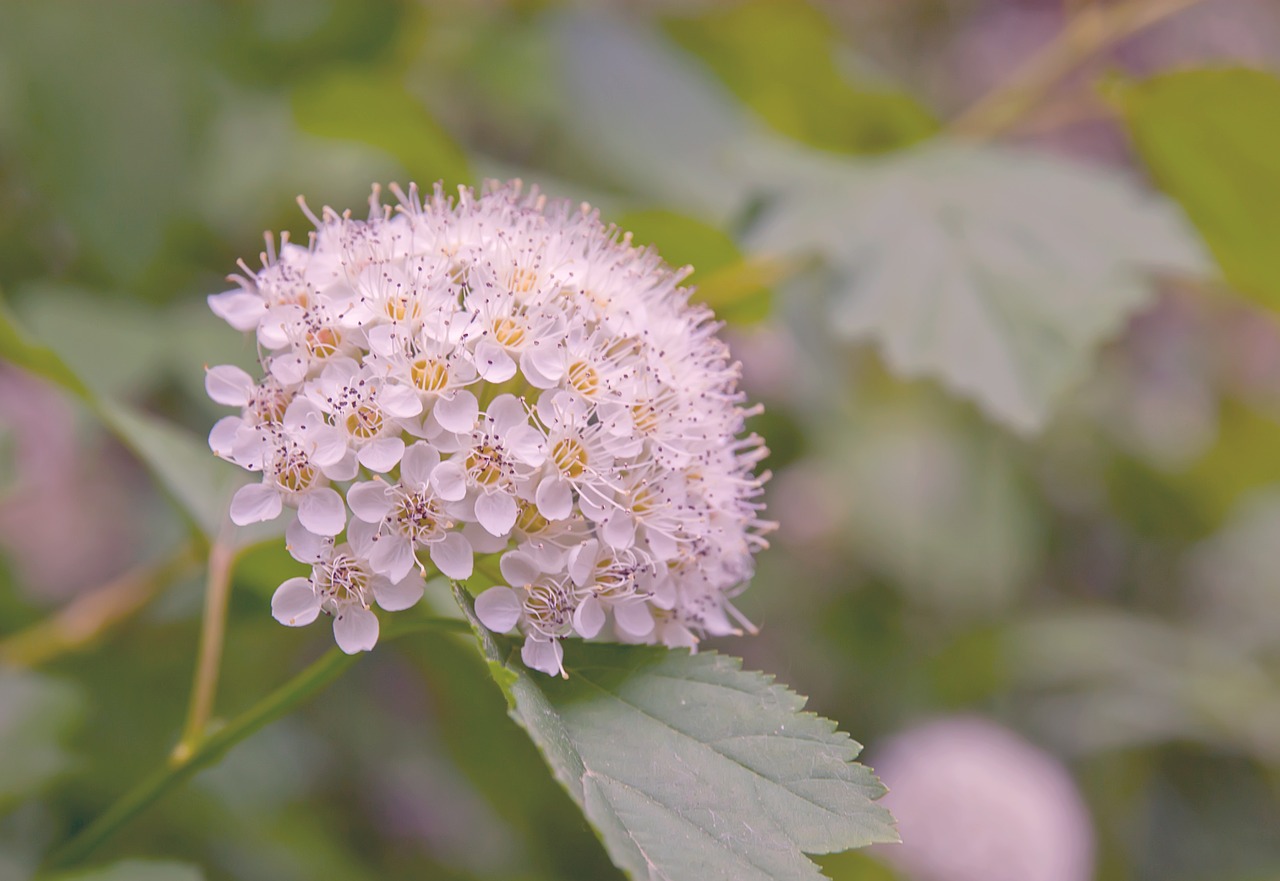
(498, 382)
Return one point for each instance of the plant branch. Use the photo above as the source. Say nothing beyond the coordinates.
(209, 750)
(213, 626)
(83, 621)
(1093, 30)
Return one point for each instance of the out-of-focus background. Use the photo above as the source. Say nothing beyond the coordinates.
(1025, 417)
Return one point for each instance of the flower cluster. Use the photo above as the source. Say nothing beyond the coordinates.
(492, 381)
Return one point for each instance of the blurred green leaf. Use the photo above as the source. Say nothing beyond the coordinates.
(375, 108)
(36, 714)
(136, 870)
(1211, 139)
(737, 288)
(198, 482)
(781, 58)
(996, 271)
(689, 767)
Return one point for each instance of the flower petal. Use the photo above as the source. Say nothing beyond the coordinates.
(419, 461)
(588, 618)
(544, 655)
(395, 596)
(228, 384)
(554, 500)
(452, 555)
(369, 500)
(634, 618)
(255, 503)
(304, 545)
(499, 608)
(518, 568)
(381, 455)
(295, 603)
(355, 629)
(496, 512)
(321, 511)
(457, 412)
(450, 480)
(392, 556)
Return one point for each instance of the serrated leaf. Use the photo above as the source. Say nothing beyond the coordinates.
(136, 870)
(1211, 139)
(689, 767)
(36, 713)
(996, 271)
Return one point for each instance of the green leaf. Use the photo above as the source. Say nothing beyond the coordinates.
(136, 870)
(1211, 139)
(782, 58)
(689, 767)
(376, 109)
(996, 271)
(36, 713)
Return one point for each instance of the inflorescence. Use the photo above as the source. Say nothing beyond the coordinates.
(492, 379)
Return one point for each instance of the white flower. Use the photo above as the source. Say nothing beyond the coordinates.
(493, 375)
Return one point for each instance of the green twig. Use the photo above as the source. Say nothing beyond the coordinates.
(209, 750)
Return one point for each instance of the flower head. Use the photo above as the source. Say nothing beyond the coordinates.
(495, 376)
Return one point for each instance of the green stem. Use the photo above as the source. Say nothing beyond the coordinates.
(213, 626)
(210, 749)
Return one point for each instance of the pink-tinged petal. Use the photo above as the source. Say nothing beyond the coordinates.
(518, 568)
(450, 480)
(593, 508)
(240, 309)
(329, 444)
(588, 618)
(544, 655)
(344, 469)
(496, 512)
(355, 629)
(400, 401)
(619, 530)
(321, 511)
(544, 361)
(229, 385)
(392, 556)
(223, 437)
(369, 500)
(634, 618)
(398, 594)
(381, 455)
(493, 363)
(452, 555)
(305, 546)
(289, 369)
(255, 503)
(582, 561)
(662, 546)
(457, 412)
(419, 461)
(360, 536)
(553, 498)
(506, 412)
(302, 416)
(526, 443)
(499, 608)
(481, 541)
(295, 603)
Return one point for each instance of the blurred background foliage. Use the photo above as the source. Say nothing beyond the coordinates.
(1002, 272)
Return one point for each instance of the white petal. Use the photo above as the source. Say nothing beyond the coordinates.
(457, 412)
(223, 436)
(295, 603)
(554, 500)
(381, 455)
(255, 503)
(544, 655)
(505, 412)
(419, 461)
(329, 444)
(452, 556)
(355, 629)
(493, 363)
(527, 444)
(288, 368)
(481, 541)
(396, 595)
(240, 309)
(228, 384)
(499, 608)
(544, 361)
(496, 512)
(360, 536)
(518, 568)
(619, 530)
(305, 546)
(392, 556)
(400, 401)
(369, 500)
(321, 511)
(582, 561)
(588, 618)
(344, 469)
(634, 618)
(450, 480)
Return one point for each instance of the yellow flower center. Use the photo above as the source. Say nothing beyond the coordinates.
(570, 457)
